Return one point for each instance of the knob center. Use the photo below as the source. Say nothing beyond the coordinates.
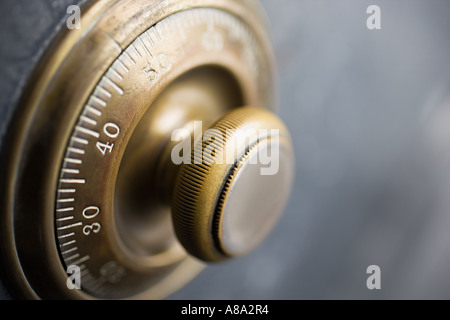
(251, 202)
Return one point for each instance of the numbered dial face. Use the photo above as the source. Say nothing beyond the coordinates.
(89, 216)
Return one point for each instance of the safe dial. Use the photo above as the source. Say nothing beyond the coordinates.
(145, 144)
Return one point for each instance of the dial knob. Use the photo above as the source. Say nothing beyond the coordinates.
(230, 195)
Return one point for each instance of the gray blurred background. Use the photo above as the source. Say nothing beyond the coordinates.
(369, 112)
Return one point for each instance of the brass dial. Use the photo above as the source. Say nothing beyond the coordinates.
(89, 178)
(227, 199)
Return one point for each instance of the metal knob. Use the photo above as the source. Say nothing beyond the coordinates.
(232, 193)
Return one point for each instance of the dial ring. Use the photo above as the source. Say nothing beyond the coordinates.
(84, 206)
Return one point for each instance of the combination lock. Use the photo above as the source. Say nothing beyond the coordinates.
(144, 146)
